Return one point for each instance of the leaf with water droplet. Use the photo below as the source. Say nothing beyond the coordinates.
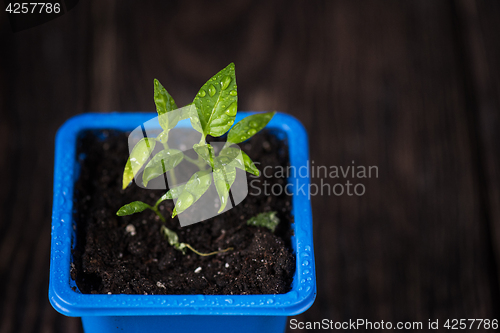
(162, 162)
(195, 187)
(241, 132)
(132, 208)
(206, 152)
(162, 137)
(191, 113)
(184, 201)
(170, 119)
(164, 103)
(172, 193)
(268, 220)
(199, 183)
(224, 178)
(227, 155)
(139, 155)
(209, 107)
(244, 162)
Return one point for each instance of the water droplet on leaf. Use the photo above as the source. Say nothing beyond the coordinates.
(232, 109)
(202, 93)
(211, 90)
(225, 82)
(233, 93)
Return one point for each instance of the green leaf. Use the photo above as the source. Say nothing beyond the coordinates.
(195, 187)
(172, 237)
(170, 119)
(164, 103)
(205, 151)
(173, 240)
(139, 155)
(217, 102)
(248, 126)
(227, 155)
(162, 198)
(268, 220)
(162, 162)
(128, 174)
(132, 208)
(192, 114)
(245, 163)
(162, 137)
(224, 178)
(172, 193)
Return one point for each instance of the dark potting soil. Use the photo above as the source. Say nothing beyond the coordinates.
(129, 255)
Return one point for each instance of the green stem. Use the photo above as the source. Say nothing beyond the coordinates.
(157, 212)
(173, 177)
(200, 163)
(207, 254)
(171, 172)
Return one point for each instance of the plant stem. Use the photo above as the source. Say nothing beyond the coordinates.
(157, 212)
(200, 163)
(207, 254)
(173, 177)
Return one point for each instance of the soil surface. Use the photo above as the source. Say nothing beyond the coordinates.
(129, 254)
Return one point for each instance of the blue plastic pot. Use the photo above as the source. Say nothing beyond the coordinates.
(176, 313)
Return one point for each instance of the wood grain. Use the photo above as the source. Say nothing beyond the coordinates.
(409, 87)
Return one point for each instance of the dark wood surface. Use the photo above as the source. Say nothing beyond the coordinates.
(410, 87)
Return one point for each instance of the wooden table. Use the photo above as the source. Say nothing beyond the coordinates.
(410, 87)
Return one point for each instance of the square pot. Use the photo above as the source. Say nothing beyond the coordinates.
(184, 313)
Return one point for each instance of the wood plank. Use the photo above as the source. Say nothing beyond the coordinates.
(480, 31)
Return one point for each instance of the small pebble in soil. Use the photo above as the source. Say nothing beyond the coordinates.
(197, 270)
(226, 265)
(161, 285)
(130, 229)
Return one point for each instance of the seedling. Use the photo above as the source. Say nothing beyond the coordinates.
(268, 220)
(212, 112)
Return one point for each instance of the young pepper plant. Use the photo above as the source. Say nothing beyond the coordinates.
(213, 113)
